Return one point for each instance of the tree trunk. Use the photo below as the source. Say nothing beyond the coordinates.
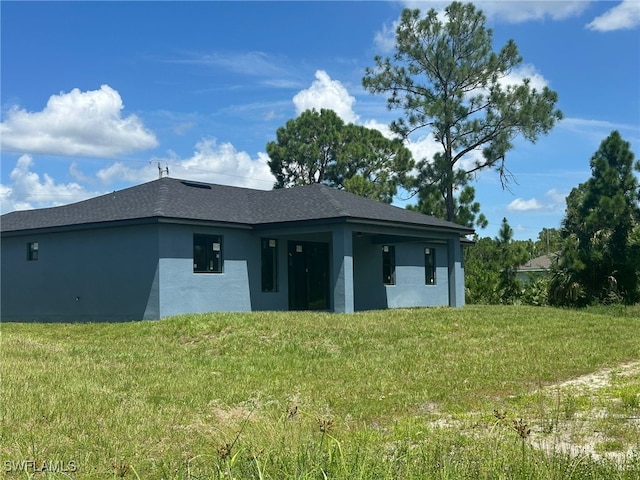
(448, 201)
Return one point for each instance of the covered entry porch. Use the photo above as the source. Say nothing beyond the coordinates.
(346, 267)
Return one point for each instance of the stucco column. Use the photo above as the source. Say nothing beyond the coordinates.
(342, 263)
(456, 273)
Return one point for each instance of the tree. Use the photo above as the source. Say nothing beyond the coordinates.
(466, 209)
(491, 267)
(549, 241)
(511, 255)
(600, 259)
(318, 147)
(446, 77)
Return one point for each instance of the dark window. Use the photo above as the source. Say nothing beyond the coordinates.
(429, 266)
(32, 251)
(207, 253)
(389, 265)
(269, 265)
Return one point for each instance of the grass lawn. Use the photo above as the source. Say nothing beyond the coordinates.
(414, 393)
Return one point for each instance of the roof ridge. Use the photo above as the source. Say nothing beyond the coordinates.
(162, 197)
(327, 192)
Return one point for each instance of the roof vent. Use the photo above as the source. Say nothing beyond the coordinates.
(197, 185)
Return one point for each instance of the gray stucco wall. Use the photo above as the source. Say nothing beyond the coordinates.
(410, 289)
(182, 290)
(146, 272)
(88, 275)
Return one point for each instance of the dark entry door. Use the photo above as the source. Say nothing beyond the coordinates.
(308, 275)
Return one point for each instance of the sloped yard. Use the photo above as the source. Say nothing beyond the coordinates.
(478, 392)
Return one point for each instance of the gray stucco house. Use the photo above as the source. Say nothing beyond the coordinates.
(174, 246)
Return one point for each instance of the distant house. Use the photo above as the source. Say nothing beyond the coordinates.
(536, 267)
(173, 246)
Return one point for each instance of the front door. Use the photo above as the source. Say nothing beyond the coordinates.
(308, 275)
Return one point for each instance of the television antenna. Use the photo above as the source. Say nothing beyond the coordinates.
(163, 171)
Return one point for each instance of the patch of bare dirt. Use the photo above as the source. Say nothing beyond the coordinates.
(585, 432)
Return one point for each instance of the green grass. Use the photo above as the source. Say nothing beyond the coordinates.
(386, 394)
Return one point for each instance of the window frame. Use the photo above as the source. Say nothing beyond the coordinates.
(213, 259)
(33, 250)
(389, 264)
(430, 277)
(269, 256)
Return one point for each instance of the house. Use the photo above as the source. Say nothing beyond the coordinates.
(536, 268)
(174, 246)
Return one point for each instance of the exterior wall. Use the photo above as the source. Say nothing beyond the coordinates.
(410, 289)
(183, 291)
(146, 272)
(456, 273)
(105, 274)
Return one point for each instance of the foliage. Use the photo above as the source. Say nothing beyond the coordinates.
(600, 259)
(535, 292)
(446, 77)
(466, 209)
(549, 241)
(491, 268)
(318, 147)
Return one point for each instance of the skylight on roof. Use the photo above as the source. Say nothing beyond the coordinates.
(197, 185)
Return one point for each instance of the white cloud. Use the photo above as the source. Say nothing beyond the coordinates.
(326, 93)
(210, 162)
(254, 63)
(518, 74)
(76, 123)
(556, 199)
(624, 16)
(385, 39)
(514, 11)
(28, 190)
(522, 205)
(523, 11)
(596, 130)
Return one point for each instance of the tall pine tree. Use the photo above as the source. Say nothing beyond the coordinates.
(600, 261)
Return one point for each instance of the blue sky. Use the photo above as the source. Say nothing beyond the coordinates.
(94, 95)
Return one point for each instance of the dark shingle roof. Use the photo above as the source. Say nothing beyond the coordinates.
(180, 199)
(543, 262)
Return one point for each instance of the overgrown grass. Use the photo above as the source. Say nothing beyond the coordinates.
(414, 393)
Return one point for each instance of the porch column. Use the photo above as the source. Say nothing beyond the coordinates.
(456, 273)
(342, 263)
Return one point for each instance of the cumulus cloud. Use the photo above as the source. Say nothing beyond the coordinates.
(522, 205)
(326, 93)
(210, 162)
(518, 74)
(76, 123)
(624, 16)
(29, 190)
(553, 201)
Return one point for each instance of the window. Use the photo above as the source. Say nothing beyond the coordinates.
(389, 265)
(207, 254)
(269, 265)
(32, 251)
(430, 266)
